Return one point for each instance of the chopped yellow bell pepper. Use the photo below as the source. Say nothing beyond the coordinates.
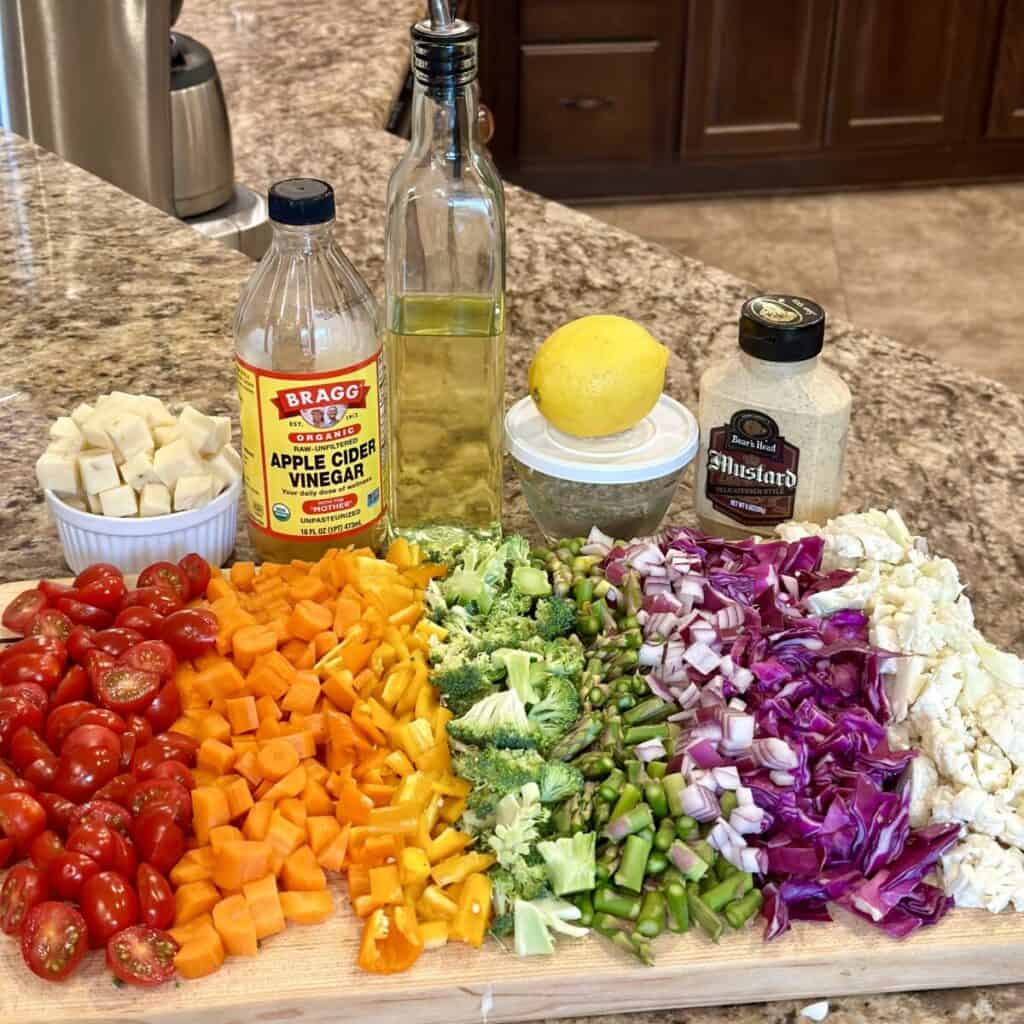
(458, 869)
(474, 914)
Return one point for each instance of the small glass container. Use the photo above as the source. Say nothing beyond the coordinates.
(622, 484)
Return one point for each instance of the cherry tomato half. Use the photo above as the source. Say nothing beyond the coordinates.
(22, 818)
(92, 736)
(161, 842)
(190, 632)
(50, 622)
(6, 851)
(156, 899)
(62, 720)
(162, 600)
(103, 716)
(83, 614)
(109, 905)
(68, 872)
(54, 938)
(35, 645)
(118, 790)
(43, 669)
(79, 641)
(26, 746)
(166, 574)
(142, 620)
(42, 771)
(105, 812)
(197, 572)
(23, 888)
(82, 771)
(165, 793)
(46, 847)
(175, 746)
(101, 589)
(58, 811)
(18, 615)
(74, 686)
(153, 656)
(142, 955)
(97, 663)
(123, 688)
(52, 589)
(111, 850)
(165, 708)
(174, 770)
(116, 640)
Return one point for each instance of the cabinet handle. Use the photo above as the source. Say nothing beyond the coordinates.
(587, 102)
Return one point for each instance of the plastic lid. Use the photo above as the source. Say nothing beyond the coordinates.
(664, 441)
(299, 201)
(191, 62)
(782, 328)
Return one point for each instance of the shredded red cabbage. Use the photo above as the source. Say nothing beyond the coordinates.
(796, 705)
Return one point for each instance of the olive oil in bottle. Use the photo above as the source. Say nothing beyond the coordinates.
(445, 301)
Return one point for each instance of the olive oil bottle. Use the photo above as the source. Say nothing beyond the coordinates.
(445, 301)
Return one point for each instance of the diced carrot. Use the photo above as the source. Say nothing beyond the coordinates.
(209, 809)
(239, 797)
(221, 835)
(218, 588)
(308, 619)
(195, 866)
(302, 872)
(265, 906)
(257, 821)
(186, 932)
(215, 756)
(193, 899)
(321, 829)
(213, 725)
(303, 693)
(308, 588)
(324, 642)
(316, 798)
(234, 923)
(294, 810)
(352, 805)
(284, 838)
(249, 642)
(242, 575)
(248, 765)
(339, 690)
(302, 741)
(277, 758)
(291, 785)
(307, 907)
(242, 714)
(332, 855)
(201, 955)
(241, 861)
(267, 709)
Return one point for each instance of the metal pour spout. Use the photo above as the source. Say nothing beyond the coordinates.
(440, 16)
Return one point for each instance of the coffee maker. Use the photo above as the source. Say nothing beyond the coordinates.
(110, 87)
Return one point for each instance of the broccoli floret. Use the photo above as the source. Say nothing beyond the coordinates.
(529, 882)
(497, 721)
(509, 604)
(518, 673)
(510, 631)
(528, 579)
(462, 687)
(570, 862)
(517, 822)
(563, 656)
(558, 781)
(466, 583)
(555, 617)
(494, 774)
(554, 715)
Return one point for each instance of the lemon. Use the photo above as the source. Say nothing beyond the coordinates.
(598, 375)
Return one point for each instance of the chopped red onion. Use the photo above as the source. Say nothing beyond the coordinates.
(773, 753)
(726, 777)
(650, 750)
(699, 802)
(782, 778)
(741, 679)
(704, 754)
(748, 820)
(701, 657)
(707, 731)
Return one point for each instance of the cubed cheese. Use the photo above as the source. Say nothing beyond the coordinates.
(64, 428)
(155, 500)
(94, 431)
(123, 402)
(58, 472)
(199, 430)
(193, 492)
(130, 434)
(175, 460)
(119, 501)
(94, 504)
(156, 413)
(221, 435)
(81, 413)
(225, 467)
(167, 434)
(99, 471)
(138, 470)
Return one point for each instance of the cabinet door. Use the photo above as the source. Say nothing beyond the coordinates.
(1006, 113)
(756, 76)
(902, 73)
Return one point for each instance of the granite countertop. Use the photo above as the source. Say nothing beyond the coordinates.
(101, 291)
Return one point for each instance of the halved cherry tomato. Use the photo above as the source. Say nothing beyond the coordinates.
(83, 614)
(97, 663)
(82, 771)
(161, 841)
(175, 771)
(163, 712)
(166, 574)
(156, 900)
(68, 872)
(175, 746)
(165, 793)
(23, 888)
(153, 656)
(6, 851)
(18, 615)
(42, 771)
(50, 622)
(105, 812)
(54, 938)
(92, 736)
(58, 811)
(53, 590)
(111, 850)
(161, 600)
(140, 728)
(35, 645)
(17, 784)
(109, 905)
(44, 669)
(101, 586)
(26, 746)
(103, 716)
(16, 712)
(46, 847)
(79, 641)
(22, 817)
(197, 572)
(119, 789)
(123, 688)
(74, 686)
(142, 620)
(62, 720)
(116, 640)
(142, 955)
(190, 632)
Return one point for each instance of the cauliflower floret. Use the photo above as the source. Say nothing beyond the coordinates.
(1001, 714)
(920, 780)
(904, 679)
(940, 693)
(978, 872)
(855, 594)
(949, 745)
(991, 767)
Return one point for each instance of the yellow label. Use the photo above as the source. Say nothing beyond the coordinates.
(311, 447)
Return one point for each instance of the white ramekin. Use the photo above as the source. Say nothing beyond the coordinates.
(132, 544)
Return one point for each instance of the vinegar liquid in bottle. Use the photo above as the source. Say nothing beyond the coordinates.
(445, 300)
(310, 388)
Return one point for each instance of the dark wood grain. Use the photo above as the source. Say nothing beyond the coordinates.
(1006, 113)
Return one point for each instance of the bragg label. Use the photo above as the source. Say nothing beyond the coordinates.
(311, 446)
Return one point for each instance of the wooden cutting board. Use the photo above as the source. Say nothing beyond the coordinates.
(308, 974)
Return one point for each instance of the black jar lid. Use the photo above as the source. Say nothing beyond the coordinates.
(782, 328)
(299, 201)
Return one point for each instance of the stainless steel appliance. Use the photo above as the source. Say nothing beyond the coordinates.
(108, 86)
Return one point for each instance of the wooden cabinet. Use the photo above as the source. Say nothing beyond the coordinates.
(605, 97)
(756, 76)
(1006, 112)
